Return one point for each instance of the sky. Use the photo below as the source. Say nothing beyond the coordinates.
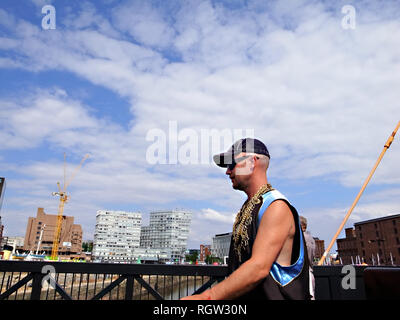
(152, 89)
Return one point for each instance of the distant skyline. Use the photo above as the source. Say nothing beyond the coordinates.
(139, 84)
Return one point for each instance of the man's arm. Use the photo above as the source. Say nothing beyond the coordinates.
(275, 226)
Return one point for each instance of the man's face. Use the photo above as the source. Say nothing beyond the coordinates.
(241, 173)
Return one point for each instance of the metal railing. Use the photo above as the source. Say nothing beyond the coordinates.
(328, 283)
(47, 280)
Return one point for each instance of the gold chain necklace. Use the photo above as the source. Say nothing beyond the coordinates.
(243, 220)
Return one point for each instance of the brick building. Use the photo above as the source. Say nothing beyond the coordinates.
(347, 247)
(205, 250)
(70, 244)
(375, 241)
(319, 248)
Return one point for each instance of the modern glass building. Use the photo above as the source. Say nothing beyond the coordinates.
(116, 237)
(167, 229)
(220, 245)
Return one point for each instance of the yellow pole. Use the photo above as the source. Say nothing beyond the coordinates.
(57, 232)
(387, 145)
(63, 200)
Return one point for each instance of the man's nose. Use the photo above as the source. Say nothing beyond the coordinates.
(228, 171)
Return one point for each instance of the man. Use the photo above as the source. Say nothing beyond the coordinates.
(310, 244)
(268, 257)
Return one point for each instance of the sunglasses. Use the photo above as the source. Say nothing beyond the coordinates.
(237, 160)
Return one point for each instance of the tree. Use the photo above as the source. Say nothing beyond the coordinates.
(192, 257)
(210, 259)
(87, 246)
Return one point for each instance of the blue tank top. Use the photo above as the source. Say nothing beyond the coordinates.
(284, 282)
(283, 274)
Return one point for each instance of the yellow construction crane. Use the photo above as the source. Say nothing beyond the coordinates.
(63, 199)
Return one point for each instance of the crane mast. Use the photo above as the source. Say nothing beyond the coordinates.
(63, 199)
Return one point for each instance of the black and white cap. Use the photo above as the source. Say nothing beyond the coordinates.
(247, 145)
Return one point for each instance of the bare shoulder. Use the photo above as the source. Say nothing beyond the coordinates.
(279, 207)
(276, 232)
(280, 226)
(279, 214)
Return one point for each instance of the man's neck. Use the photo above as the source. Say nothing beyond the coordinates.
(254, 187)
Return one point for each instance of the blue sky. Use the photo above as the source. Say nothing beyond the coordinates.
(321, 96)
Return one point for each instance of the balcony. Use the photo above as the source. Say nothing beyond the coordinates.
(45, 280)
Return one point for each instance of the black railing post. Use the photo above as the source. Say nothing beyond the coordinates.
(129, 288)
(36, 286)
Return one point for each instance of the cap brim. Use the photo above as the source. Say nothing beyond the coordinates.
(223, 159)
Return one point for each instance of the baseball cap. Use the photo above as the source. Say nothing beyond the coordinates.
(247, 145)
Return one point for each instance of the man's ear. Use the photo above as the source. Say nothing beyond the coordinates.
(252, 164)
(247, 169)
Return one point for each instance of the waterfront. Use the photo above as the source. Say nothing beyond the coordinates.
(86, 286)
(22, 280)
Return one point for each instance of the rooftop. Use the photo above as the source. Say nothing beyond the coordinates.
(378, 219)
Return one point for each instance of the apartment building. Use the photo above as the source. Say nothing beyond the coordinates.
(319, 248)
(220, 245)
(375, 241)
(40, 235)
(116, 237)
(167, 229)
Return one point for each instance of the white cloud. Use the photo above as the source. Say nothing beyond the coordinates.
(88, 18)
(213, 215)
(28, 122)
(7, 20)
(41, 3)
(321, 97)
(144, 23)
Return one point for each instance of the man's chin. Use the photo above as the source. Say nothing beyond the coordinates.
(236, 186)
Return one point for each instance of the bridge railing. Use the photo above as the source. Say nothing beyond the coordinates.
(47, 280)
(334, 283)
